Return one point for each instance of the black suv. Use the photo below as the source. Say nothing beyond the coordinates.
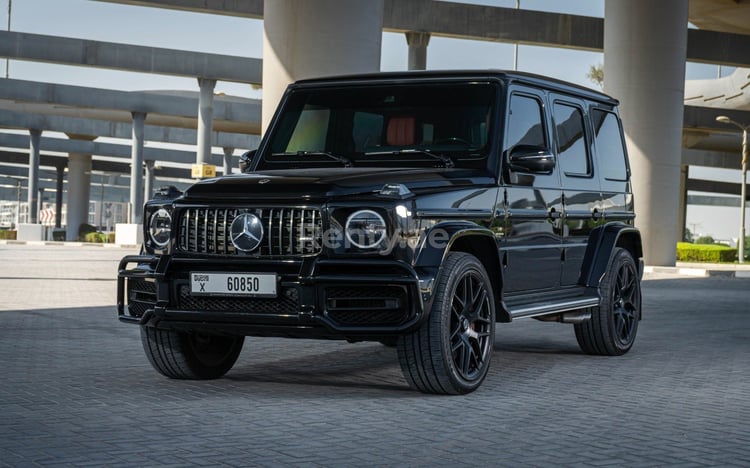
(413, 209)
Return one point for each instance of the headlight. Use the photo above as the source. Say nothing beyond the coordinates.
(365, 229)
(160, 227)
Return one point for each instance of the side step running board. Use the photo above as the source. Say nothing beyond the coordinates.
(537, 310)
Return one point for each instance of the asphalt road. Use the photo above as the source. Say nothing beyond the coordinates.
(77, 390)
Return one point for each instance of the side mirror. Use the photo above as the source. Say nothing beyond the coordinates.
(245, 159)
(531, 159)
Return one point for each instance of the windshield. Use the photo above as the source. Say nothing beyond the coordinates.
(427, 125)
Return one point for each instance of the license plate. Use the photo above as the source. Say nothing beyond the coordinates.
(233, 284)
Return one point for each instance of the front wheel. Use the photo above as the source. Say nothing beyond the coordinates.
(451, 352)
(613, 325)
(197, 356)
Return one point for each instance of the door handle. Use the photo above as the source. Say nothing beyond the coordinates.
(596, 214)
(553, 214)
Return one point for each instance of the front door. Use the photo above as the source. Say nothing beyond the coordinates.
(531, 250)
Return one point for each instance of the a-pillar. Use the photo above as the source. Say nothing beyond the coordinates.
(313, 38)
(205, 119)
(417, 42)
(136, 169)
(645, 45)
(228, 152)
(148, 191)
(34, 140)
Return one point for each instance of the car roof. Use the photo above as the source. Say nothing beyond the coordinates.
(507, 76)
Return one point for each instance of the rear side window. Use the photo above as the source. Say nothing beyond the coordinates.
(610, 148)
(572, 150)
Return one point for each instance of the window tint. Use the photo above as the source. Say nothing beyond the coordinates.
(525, 122)
(609, 145)
(311, 130)
(372, 125)
(367, 131)
(571, 140)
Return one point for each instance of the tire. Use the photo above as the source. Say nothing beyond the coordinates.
(196, 356)
(450, 353)
(390, 342)
(614, 324)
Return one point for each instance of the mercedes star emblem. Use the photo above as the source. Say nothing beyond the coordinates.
(246, 232)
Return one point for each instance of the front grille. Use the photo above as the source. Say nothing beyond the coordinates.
(287, 231)
(141, 296)
(286, 303)
(367, 305)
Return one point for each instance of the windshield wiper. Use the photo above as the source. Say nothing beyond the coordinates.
(342, 159)
(446, 160)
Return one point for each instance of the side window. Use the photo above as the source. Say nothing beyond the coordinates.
(572, 150)
(525, 122)
(609, 145)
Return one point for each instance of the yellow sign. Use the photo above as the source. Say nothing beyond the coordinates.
(203, 171)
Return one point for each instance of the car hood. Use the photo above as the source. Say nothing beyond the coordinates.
(321, 184)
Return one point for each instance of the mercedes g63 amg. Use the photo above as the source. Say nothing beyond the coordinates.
(414, 209)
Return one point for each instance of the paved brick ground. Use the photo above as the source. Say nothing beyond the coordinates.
(76, 389)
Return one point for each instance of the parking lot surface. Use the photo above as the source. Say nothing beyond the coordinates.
(77, 390)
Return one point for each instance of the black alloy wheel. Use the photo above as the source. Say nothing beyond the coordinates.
(614, 324)
(451, 352)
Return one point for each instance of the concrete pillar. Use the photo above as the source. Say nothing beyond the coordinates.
(228, 152)
(205, 120)
(39, 203)
(19, 193)
(312, 38)
(148, 190)
(682, 221)
(59, 196)
(645, 45)
(417, 42)
(32, 196)
(136, 169)
(79, 191)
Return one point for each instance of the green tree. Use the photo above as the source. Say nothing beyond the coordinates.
(596, 74)
(705, 240)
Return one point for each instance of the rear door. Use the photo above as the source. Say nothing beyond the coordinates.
(582, 200)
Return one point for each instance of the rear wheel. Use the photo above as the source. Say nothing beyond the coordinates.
(614, 324)
(182, 355)
(451, 352)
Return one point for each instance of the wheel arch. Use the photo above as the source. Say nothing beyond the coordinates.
(474, 240)
(601, 247)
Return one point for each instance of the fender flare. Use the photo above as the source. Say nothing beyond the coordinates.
(463, 237)
(440, 239)
(601, 245)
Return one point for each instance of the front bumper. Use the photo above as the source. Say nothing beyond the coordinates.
(363, 299)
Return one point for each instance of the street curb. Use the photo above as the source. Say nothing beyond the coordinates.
(697, 272)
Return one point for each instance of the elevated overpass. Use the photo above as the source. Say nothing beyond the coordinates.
(722, 39)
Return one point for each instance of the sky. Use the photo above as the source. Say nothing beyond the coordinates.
(89, 19)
